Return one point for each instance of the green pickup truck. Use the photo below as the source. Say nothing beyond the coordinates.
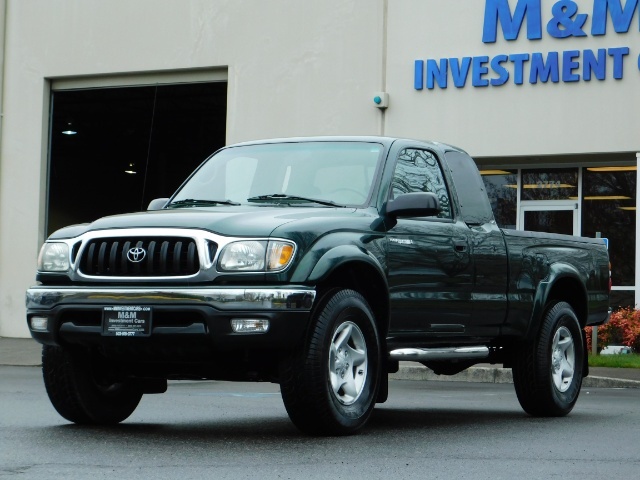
(318, 264)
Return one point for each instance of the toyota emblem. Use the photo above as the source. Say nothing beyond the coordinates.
(136, 254)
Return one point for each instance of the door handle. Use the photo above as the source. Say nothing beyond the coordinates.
(460, 245)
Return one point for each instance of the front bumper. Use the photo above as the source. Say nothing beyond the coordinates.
(183, 317)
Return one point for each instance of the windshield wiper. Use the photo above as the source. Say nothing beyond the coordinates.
(284, 196)
(194, 202)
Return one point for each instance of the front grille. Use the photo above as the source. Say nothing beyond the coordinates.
(157, 257)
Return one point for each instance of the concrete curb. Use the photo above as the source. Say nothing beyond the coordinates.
(496, 375)
(473, 374)
(605, 382)
(20, 352)
(26, 352)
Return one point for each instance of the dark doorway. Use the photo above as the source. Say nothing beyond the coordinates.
(113, 150)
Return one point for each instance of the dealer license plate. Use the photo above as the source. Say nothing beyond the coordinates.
(126, 321)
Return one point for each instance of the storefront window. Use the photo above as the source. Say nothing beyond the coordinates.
(622, 299)
(502, 189)
(550, 184)
(609, 208)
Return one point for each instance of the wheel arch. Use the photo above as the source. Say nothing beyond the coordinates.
(564, 284)
(361, 273)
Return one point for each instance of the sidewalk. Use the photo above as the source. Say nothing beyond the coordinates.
(26, 352)
(21, 352)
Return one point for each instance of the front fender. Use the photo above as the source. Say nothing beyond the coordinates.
(319, 262)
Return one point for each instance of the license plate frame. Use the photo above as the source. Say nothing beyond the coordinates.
(126, 321)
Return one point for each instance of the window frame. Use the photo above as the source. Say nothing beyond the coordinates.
(445, 181)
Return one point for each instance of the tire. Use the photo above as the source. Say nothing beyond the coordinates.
(330, 385)
(547, 373)
(82, 396)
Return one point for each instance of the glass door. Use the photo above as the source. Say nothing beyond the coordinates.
(550, 201)
(557, 217)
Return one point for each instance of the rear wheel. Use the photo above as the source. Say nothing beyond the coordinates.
(330, 385)
(80, 393)
(547, 372)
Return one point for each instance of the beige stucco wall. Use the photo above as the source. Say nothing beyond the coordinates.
(294, 68)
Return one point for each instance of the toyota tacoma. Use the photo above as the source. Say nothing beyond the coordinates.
(318, 264)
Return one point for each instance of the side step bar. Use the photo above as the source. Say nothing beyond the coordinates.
(430, 354)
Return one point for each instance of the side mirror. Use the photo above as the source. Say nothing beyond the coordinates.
(417, 204)
(157, 204)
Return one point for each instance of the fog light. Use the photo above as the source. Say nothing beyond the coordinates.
(39, 323)
(250, 325)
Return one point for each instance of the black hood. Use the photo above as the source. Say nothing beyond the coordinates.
(236, 221)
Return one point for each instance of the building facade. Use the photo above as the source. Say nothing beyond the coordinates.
(106, 104)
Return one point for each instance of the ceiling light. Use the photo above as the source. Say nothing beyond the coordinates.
(541, 186)
(613, 169)
(627, 208)
(608, 197)
(70, 130)
(495, 172)
(548, 185)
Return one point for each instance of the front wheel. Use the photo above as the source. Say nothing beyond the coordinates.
(81, 393)
(547, 373)
(330, 385)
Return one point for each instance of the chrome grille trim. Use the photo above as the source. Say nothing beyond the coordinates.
(208, 246)
(164, 256)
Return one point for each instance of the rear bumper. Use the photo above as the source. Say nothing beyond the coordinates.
(599, 320)
(188, 320)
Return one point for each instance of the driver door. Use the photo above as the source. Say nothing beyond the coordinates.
(429, 260)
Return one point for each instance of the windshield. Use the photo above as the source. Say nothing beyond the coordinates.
(324, 173)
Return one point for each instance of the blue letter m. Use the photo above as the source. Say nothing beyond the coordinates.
(498, 10)
(621, 17)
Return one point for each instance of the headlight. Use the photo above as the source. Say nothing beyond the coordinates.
(243, 256)
(256, 256)
(54, 257)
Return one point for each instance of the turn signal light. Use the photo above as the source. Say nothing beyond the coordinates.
(280, 254)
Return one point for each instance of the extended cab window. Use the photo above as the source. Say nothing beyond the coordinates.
(419, 171)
